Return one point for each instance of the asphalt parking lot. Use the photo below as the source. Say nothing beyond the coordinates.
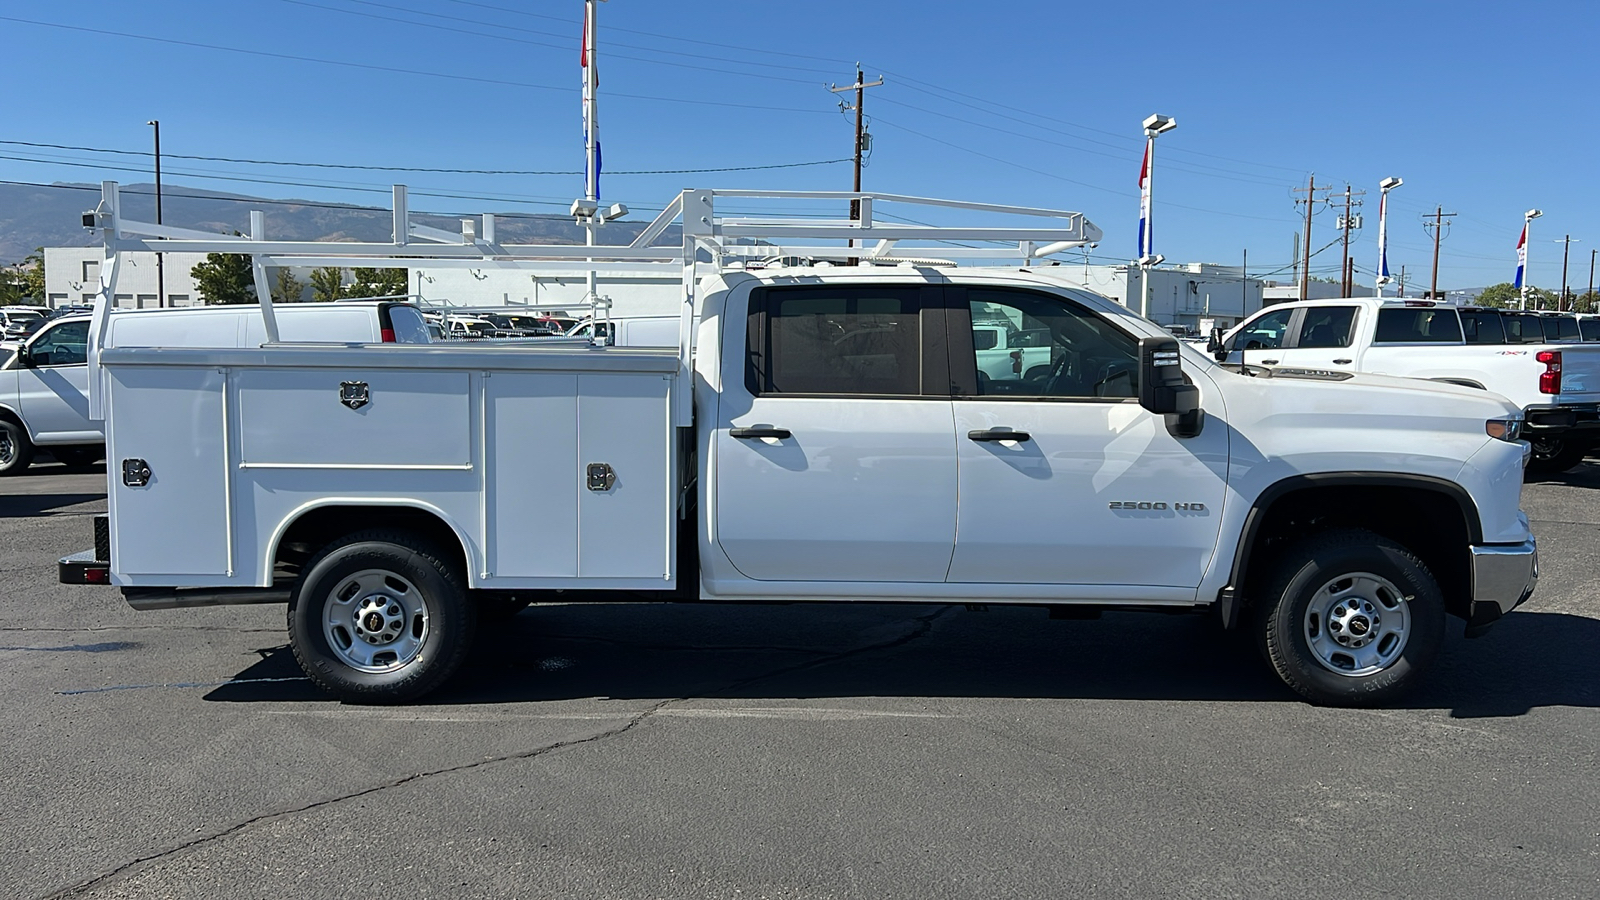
(784, 751)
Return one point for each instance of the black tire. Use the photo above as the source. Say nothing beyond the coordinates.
(1354, 563)
(401, 584)
(1554, 455)
(16, 450)
(78, 457)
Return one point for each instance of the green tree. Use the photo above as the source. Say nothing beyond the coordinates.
(326, 284)
(225, 278)
(1586, 302)
(33, 276)
(1502, 295)
(286, 288)
(378, 283)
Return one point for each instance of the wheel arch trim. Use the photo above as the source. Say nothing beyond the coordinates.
(301, 511)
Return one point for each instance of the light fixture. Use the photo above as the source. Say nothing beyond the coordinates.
(583, 209)
(1533, 214)
(615, 211)
(1159, 124)
(1391, 183)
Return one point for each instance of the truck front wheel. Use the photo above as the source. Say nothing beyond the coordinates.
(1351, 619)
(16, 451)
(380, 617)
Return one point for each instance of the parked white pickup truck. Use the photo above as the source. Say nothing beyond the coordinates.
(1555, 384)
(820, 434)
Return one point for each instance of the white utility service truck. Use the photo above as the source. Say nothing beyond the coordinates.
(823, 433)
(1555, 384)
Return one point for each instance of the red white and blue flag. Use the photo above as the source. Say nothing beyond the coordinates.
(1522, 255)
(1145, 238)
(591, 115)
(1383, 240)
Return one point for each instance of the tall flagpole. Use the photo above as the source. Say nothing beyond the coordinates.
(591, 133)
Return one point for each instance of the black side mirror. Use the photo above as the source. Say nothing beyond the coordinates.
(1164, 390)
(1216, 346)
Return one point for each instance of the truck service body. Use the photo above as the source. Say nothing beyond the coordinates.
(820, 433)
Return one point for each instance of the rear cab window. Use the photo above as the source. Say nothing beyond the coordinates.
(1418, 325)
(1560, 328)
(1589, 329)
(840, 340)
(1327, 326)
(1482, 327)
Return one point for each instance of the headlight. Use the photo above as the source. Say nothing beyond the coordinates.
(1507, 429)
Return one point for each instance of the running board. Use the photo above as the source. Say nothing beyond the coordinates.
(147, 598)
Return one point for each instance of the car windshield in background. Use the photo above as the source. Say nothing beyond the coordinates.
(1417, 325)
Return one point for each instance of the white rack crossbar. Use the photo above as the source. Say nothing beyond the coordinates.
(731, 241)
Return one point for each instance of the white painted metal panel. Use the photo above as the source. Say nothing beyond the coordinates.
(1040, 511)
(173, 419)
(863, 490)
(414, 419)
(626, 531)
(531, 431)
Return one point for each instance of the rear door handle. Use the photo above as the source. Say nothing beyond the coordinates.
(1343, 362)
(1269, 362)
(993, 435)
(759, 432)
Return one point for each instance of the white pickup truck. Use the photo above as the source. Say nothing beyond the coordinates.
(1555, 384)
(819, 434)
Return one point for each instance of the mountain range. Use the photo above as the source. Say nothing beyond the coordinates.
(34, 216)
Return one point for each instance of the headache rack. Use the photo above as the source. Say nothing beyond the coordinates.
(709, 243)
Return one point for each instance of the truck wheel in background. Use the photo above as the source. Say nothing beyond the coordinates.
(380, 617)
(1554, 455)
(78, 457)
(16, 450)
(1349, 618)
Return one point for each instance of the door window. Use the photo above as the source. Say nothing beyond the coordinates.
(845, 340)
(64, 345)
(1264, 333)
(1327, 326)
(1028, 344)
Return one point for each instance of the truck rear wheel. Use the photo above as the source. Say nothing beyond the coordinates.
(1351, 619)
(16, 451)
(380, 617)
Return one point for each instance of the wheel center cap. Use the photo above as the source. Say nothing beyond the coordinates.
(374, 622)
(1359, 626)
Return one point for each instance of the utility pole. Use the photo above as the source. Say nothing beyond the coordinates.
(1310, 201)
(1402, 282)
(1244, 285)
(1566, 249)
(1346, 222)
(1590, 295)
(863, 139)
(1439, 215)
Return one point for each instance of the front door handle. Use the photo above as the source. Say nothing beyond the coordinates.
(1269, 362)
(763, 431)
(994, 435)
(1343, 362)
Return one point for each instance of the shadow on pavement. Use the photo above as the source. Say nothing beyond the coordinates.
(21, 506)
(1530, 660)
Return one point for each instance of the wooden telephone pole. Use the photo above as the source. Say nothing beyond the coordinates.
(1439, 215)
(862, 138)
(1311, 200)
(1346, 272)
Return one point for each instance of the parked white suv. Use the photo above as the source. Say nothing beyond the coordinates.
(44, 384)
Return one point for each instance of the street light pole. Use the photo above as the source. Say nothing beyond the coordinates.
(1525, 283)
(1153, 126)
(161, 275)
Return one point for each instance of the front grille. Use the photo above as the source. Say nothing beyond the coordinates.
(102, 538)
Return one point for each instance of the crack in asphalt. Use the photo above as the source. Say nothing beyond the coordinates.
(924, 625)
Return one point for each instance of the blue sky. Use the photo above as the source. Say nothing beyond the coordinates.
(1477, 105)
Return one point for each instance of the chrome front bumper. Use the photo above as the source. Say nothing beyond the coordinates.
(1503, 576)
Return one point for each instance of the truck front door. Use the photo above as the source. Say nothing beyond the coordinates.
(1064, 478)
(837, 461)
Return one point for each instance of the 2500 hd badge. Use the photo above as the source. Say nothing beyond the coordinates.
(1147, 505)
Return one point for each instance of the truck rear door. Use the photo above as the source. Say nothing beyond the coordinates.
(837, 462)
(1324, 338)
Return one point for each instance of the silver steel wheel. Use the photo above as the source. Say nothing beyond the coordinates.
(8, 449)
(1357, 624)
(375, 621)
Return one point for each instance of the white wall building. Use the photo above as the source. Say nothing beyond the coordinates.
(72, 277)
(1316, 290)
(1182, 295)
(631, 295)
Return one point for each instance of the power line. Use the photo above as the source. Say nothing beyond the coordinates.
(391, 69)
(315, 165)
